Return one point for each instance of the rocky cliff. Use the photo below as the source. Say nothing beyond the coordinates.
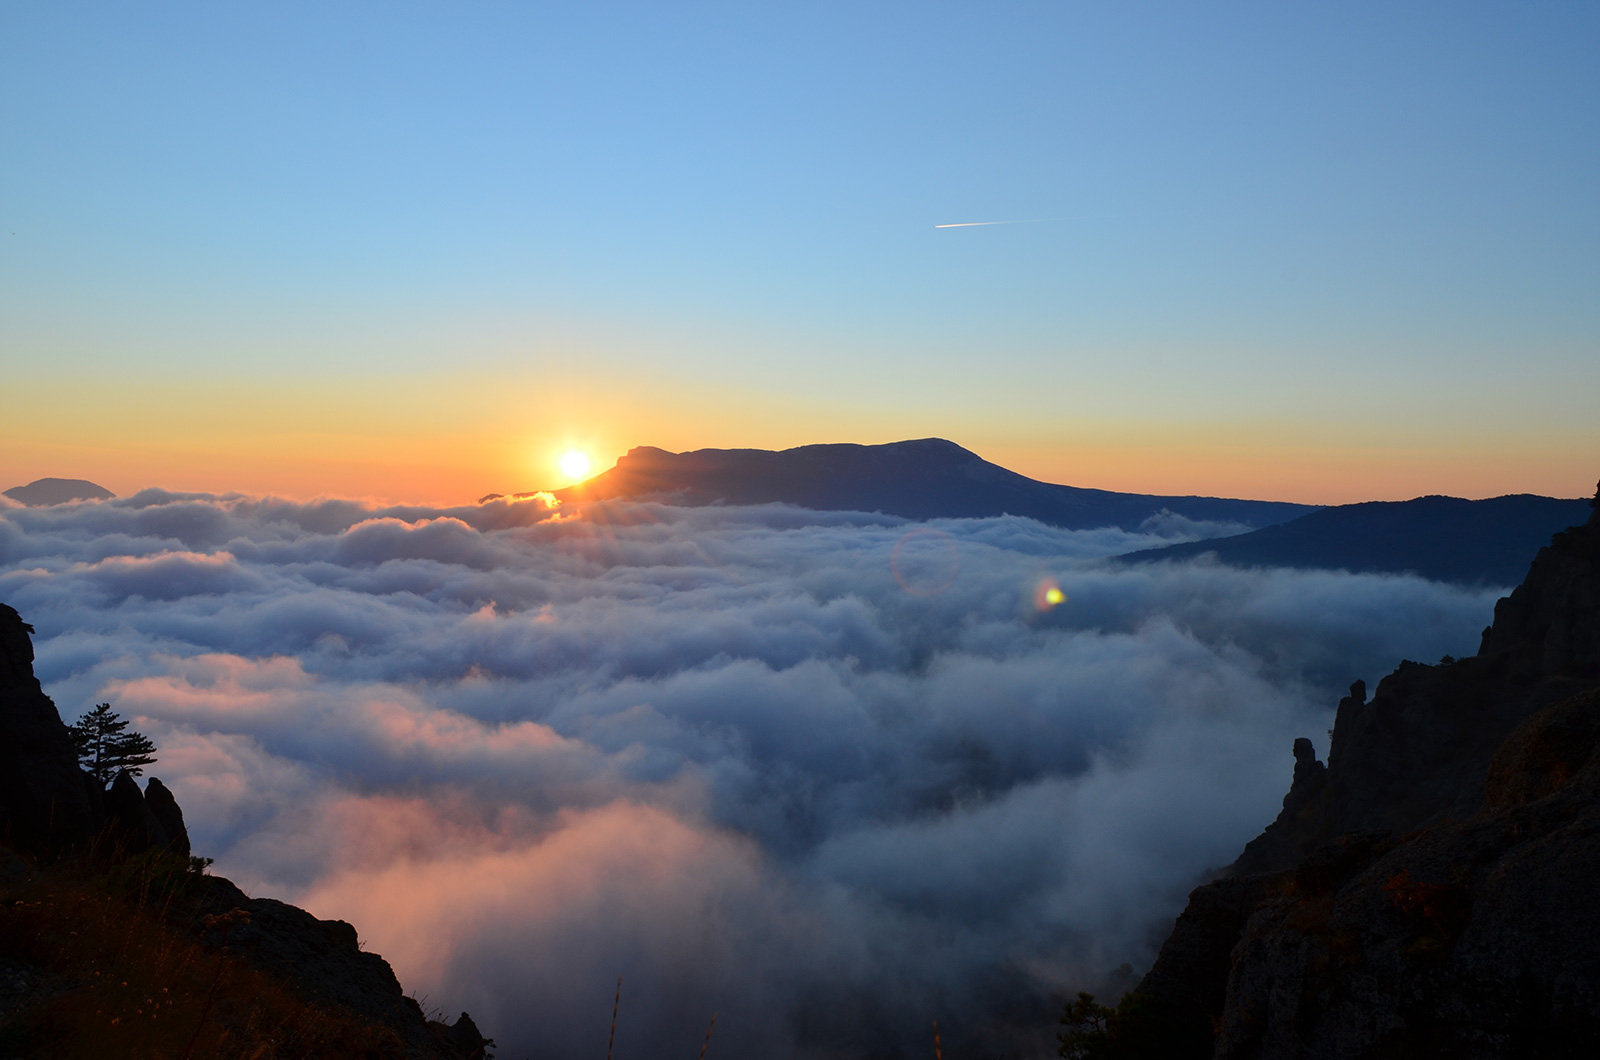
(1435, 889)
(47, 804)
(113, 941)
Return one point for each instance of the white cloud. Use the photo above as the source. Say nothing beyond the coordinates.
(721, 750)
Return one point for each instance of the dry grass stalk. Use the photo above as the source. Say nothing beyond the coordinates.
(708, 1036)
(616, 1001)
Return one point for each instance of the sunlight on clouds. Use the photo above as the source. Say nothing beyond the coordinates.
(764, 760)
(452, 438)
(445, 879)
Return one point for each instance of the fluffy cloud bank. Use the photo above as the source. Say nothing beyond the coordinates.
(830, 775)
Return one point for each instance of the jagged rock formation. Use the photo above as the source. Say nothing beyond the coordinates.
(163, 806)
(1302, 822)
(46, 491)
(928, 478)
(47, 804)
(49, 807)
(1435, 891)
(325, 962)
(54, 814)
(1550, 624)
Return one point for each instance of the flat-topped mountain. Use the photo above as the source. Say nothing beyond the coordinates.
(1486, 542)
(929, 478)
(46, 491)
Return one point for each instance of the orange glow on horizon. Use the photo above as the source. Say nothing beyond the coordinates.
(433, 440)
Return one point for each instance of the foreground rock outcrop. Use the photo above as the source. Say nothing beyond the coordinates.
(113, 941)
(47, 804)
(1434, 891)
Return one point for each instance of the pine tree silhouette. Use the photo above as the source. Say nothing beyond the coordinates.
(103, 748)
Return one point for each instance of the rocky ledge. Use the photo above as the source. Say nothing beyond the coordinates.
(1434, 890)
(115, 941)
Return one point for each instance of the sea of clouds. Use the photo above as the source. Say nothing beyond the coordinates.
(829, 775)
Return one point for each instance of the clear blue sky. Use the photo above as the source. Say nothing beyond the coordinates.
(1272, 227)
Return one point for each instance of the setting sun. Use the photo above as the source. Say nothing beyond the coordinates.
(574, 464)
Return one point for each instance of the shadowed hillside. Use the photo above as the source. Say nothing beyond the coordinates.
(114, 942)
(1485, 542)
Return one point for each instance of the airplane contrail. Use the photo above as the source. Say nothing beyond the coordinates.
(976, 224)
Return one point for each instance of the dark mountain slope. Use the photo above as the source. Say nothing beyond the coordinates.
(1434, 891)
(1449, 539)
(925, 479)
(114, 943)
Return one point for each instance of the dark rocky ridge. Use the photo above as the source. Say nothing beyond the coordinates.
(324, 961)
(47, 804)
(1435, 890)
(163, 806)
(929, 478)
(1448, 539)
(52, 813)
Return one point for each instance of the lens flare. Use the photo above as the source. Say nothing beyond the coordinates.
(1047, 595)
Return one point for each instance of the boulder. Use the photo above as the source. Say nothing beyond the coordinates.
(164, 808)
(135, 828)
(461, 1038)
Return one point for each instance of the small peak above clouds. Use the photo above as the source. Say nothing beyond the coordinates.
(43, 492)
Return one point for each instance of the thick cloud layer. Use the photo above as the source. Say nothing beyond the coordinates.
(831, 775)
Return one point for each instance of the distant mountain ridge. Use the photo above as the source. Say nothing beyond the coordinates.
(1487, 542)
(929, 478)
(46, 491)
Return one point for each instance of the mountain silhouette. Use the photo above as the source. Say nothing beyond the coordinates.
(46, 491)
(1433, 890)
(99, 888)
(925, 479)
(1449, 539)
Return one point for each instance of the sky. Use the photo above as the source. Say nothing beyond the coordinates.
(1314, 252)
(744, 756)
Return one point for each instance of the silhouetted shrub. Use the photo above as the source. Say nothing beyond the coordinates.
(1139, 1028)
(104, 748)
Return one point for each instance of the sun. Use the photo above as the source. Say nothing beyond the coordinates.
(574, 464)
